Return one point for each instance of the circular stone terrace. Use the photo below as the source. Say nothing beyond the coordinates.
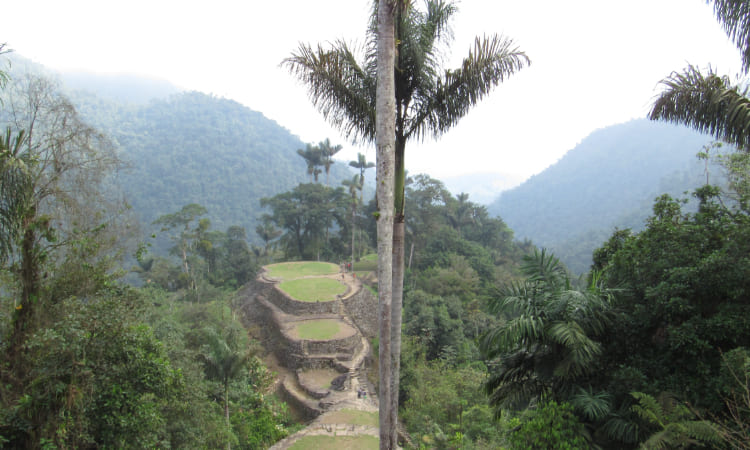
(350, 422)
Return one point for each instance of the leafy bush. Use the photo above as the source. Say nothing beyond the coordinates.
(550, 425)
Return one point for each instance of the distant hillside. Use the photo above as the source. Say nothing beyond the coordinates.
(195, 148)
(188, 147)
(608, 180)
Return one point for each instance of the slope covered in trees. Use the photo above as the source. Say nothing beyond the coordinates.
(188, 147)
(608, 180)
(196, 148)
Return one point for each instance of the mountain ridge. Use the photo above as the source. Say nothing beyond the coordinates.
(607, 181)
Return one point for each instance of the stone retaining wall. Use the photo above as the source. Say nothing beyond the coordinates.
(344, 345)
(292, 306)
(362, 307)
(301, 406)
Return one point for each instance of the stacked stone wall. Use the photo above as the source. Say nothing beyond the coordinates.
(292, 306)
(343, 345)
(362, 307)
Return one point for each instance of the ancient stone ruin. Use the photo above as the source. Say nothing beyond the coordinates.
(318, 377)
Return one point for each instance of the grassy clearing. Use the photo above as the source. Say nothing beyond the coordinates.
(313, 289)
(288, 271)
(367, 263)
(336, 443)
(319, 330)
(352, 417)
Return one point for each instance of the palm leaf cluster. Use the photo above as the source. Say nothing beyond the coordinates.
(710, 103)
(547, 339)
(429, 99)
(16, 184)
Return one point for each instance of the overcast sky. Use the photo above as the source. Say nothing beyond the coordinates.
(594, 62)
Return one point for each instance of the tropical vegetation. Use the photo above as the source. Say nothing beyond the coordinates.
(116, 338)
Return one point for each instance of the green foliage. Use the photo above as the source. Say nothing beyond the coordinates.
(550, 425)
(684, 295)
(547, 341)
(98, 375)
(217, 360)
(207, 257)
(673, 423)
(306, 214)
(442, 402)
(436, 323)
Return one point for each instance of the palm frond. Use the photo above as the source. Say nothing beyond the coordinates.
(622, 430)
(342, 91)
(492, 60)
(593, 406)
(648, 408)
(518, 332)
(734, 16)
(707, 103)
(17, 187)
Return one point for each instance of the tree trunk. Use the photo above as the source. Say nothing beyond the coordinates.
(226, 410)
(397, 302)
(385, 122)
(29, 275)
(354, 219)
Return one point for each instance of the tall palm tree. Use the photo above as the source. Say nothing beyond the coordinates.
(353, 186)
(710, 103)
(547, 338)
(460, 212)
(385, 121)
(312, 156)
(326, 152)
(429, 100)
(361, 164)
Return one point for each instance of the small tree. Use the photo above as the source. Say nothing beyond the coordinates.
(224, 359)
(188, 239)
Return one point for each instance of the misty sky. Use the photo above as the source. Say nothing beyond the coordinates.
(594, 62)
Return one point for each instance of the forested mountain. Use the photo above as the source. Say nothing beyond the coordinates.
(188, 147)
(196, 148)
(608, 180)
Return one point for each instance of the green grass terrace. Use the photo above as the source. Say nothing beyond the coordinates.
(313, 289)
(336, 443)
(322, 330)
(293, 270)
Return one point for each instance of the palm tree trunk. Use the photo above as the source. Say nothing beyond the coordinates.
(29, 290)
(385, 122)
(398, 274)
(226, 410)
(354, 218)
(397, 302)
